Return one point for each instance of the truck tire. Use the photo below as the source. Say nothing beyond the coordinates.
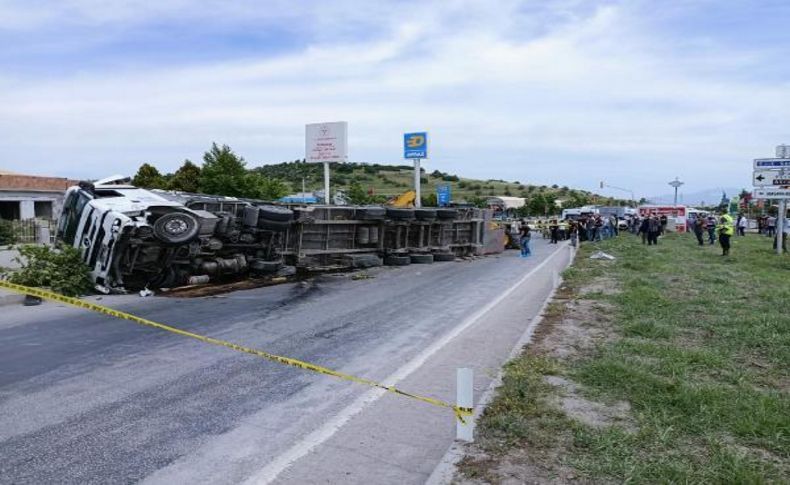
(421, 258)
(261, 266)
(425, 214)
(443, 257)
(275, 213)
(446, 214)
(400, 214)
(276, 226)
(370, 213)
(393, 260)
(176, 227)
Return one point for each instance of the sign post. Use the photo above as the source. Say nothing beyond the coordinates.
(326, 143)
(772, 176)
(415, 146)
(780, 226)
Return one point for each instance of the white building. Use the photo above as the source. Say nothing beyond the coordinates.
(30, 196)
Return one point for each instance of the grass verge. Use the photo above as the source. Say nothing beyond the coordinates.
(670, 364)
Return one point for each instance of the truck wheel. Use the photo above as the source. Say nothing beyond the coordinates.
(276, 226)
(446, 214)
(443, 257)
(393, 260)
(176, 227)
(370, 213)
(425, 214)
(421, 258)
(275, 213)
(261, 266)
(400, 214)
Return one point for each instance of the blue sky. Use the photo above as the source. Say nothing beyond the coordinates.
(569, 92)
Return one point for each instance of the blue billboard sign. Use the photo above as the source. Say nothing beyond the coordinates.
(443, 195)
(415, 145)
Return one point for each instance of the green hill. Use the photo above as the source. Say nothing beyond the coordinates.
(386, 181)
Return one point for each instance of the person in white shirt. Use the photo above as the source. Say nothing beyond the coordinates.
(743, 223)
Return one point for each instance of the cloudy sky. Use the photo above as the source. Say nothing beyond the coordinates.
(569, 91)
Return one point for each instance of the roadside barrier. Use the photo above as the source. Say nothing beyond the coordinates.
(460, 412)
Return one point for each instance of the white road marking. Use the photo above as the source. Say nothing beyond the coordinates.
(301, 448)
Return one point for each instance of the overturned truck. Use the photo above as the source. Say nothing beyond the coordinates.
(132, 238)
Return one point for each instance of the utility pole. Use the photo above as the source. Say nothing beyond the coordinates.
(676, 184)
(605, 185)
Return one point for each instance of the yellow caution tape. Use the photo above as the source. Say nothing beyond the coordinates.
(460, 412)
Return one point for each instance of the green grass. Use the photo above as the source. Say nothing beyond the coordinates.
(700, 351)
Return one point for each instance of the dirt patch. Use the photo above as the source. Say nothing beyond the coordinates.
(577, 329)
(601, 285)
(591, 413)
(572, 327)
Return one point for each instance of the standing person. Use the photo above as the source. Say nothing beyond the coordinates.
(743, 223)
(726, 230)
(643, 228)
(653, 230)
(663, 220)
(525, 237)
(770, 226)
(710, 225)
(590, 228)
(699, 230)
(573, 233)
(597, 225)
(554, 229)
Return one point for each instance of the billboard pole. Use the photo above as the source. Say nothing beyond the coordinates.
(417, 196)
(327, 198)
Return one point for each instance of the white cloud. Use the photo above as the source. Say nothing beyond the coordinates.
(588, 94)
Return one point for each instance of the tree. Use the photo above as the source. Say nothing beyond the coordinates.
(356, 194)
(148, 177)
(186, 178)
(224, 173)
(267, 188)
(429, 200)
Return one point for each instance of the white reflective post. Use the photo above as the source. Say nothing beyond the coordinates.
(464, 399)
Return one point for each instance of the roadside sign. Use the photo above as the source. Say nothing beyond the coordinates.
(770, 178)
(768, 163)
(443, 195)
(326, 142)
(771, 193)
(415, 145)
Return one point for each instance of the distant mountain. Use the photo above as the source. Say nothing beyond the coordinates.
(706, 197)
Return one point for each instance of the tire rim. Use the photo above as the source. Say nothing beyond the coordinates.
(176, 227)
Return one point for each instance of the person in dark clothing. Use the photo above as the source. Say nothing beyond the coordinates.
(653, 230)
(554, 229)
(710, 225)
(597, 228)
(643, 227)
(524, 237)
(699, 230)
(663, 220)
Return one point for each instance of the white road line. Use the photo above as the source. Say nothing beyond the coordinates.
(301, 448)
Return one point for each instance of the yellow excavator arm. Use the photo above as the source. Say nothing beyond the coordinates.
(405, 199)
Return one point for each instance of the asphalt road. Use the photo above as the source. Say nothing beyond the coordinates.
(86, 398)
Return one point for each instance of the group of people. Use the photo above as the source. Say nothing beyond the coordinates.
(594, 227)
(724, 227)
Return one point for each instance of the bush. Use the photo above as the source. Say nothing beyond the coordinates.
(7, 233)
(60, 270)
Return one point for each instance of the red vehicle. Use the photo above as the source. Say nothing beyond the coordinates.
(673, 213)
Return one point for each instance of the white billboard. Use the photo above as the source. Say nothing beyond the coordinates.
(326, 142)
